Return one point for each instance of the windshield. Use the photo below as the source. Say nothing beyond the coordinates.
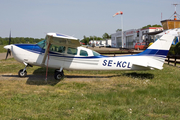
(42, 44)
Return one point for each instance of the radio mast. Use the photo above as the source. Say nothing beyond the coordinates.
(175, 13)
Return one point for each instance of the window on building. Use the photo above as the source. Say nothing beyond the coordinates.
(137, 33)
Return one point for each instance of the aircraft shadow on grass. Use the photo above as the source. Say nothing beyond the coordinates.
(37, 78)
(139, 75)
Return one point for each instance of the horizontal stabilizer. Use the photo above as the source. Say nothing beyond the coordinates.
(150, 66)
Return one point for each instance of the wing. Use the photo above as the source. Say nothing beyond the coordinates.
(59, 40)
(63, 40)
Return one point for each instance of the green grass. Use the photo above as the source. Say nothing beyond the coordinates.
(100, 95)
(2, 50)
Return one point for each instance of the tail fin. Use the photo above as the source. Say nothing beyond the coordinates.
(160, 47)
(154, 56)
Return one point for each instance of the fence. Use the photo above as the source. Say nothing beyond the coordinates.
(115, 52)
(175, 59)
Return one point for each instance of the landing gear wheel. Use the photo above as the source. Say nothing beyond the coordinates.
(57, 70)
(22, 74)
(58, 75)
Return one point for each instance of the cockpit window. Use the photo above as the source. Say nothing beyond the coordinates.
(60, 49)
(42, 44)
(95, 53)
(72, 51)
(83, 53)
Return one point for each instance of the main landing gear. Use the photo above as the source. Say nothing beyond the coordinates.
(58, 74)
(23, 72)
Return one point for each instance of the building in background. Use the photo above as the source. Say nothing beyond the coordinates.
(100, 43)
(133, 36)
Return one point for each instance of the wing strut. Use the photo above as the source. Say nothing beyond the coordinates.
(49, 39)
(47, 62)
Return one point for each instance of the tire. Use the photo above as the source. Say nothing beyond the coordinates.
(137, 48)
(22, 74)
(58, 75)
(57, 70)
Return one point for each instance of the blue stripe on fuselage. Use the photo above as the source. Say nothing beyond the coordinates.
(25, 46)
(36, 49)
(154, 52)
(31, 47)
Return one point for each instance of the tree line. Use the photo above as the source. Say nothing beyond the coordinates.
(16, 40)
(86, 40)
(147, 26)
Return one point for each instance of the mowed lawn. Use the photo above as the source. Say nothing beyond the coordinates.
(2, 50)
(97, 95)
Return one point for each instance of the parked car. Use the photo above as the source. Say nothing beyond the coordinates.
(140, 46)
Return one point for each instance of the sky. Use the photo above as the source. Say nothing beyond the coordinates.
(78, 18)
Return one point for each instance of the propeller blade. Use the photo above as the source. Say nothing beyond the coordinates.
(7, 53)
(10, 38)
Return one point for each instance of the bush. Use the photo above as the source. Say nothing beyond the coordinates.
(177, 49)
(171, 51)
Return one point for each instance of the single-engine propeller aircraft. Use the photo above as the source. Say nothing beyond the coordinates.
(62, 52)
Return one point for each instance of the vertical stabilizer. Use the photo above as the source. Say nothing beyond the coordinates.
(154, 56)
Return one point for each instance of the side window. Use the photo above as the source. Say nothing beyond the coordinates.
(72, 51)
(95, 53)
(60, 49)
(83, 53)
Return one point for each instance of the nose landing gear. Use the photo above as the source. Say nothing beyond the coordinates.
(23, 72)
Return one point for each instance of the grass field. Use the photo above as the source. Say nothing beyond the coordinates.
(2, 50)
(98, 95)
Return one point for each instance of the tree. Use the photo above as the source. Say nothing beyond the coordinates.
(85, 40)
(106, 36)
(118, 30)
(22, 40)
(147, 26)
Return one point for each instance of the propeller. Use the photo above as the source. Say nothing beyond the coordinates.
(8, 50)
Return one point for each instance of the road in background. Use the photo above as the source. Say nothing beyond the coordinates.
(3, 56)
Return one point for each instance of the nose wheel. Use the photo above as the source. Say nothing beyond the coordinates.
(23, 72)
(58, 75)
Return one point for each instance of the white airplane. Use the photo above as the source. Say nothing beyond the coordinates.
(63, 52)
